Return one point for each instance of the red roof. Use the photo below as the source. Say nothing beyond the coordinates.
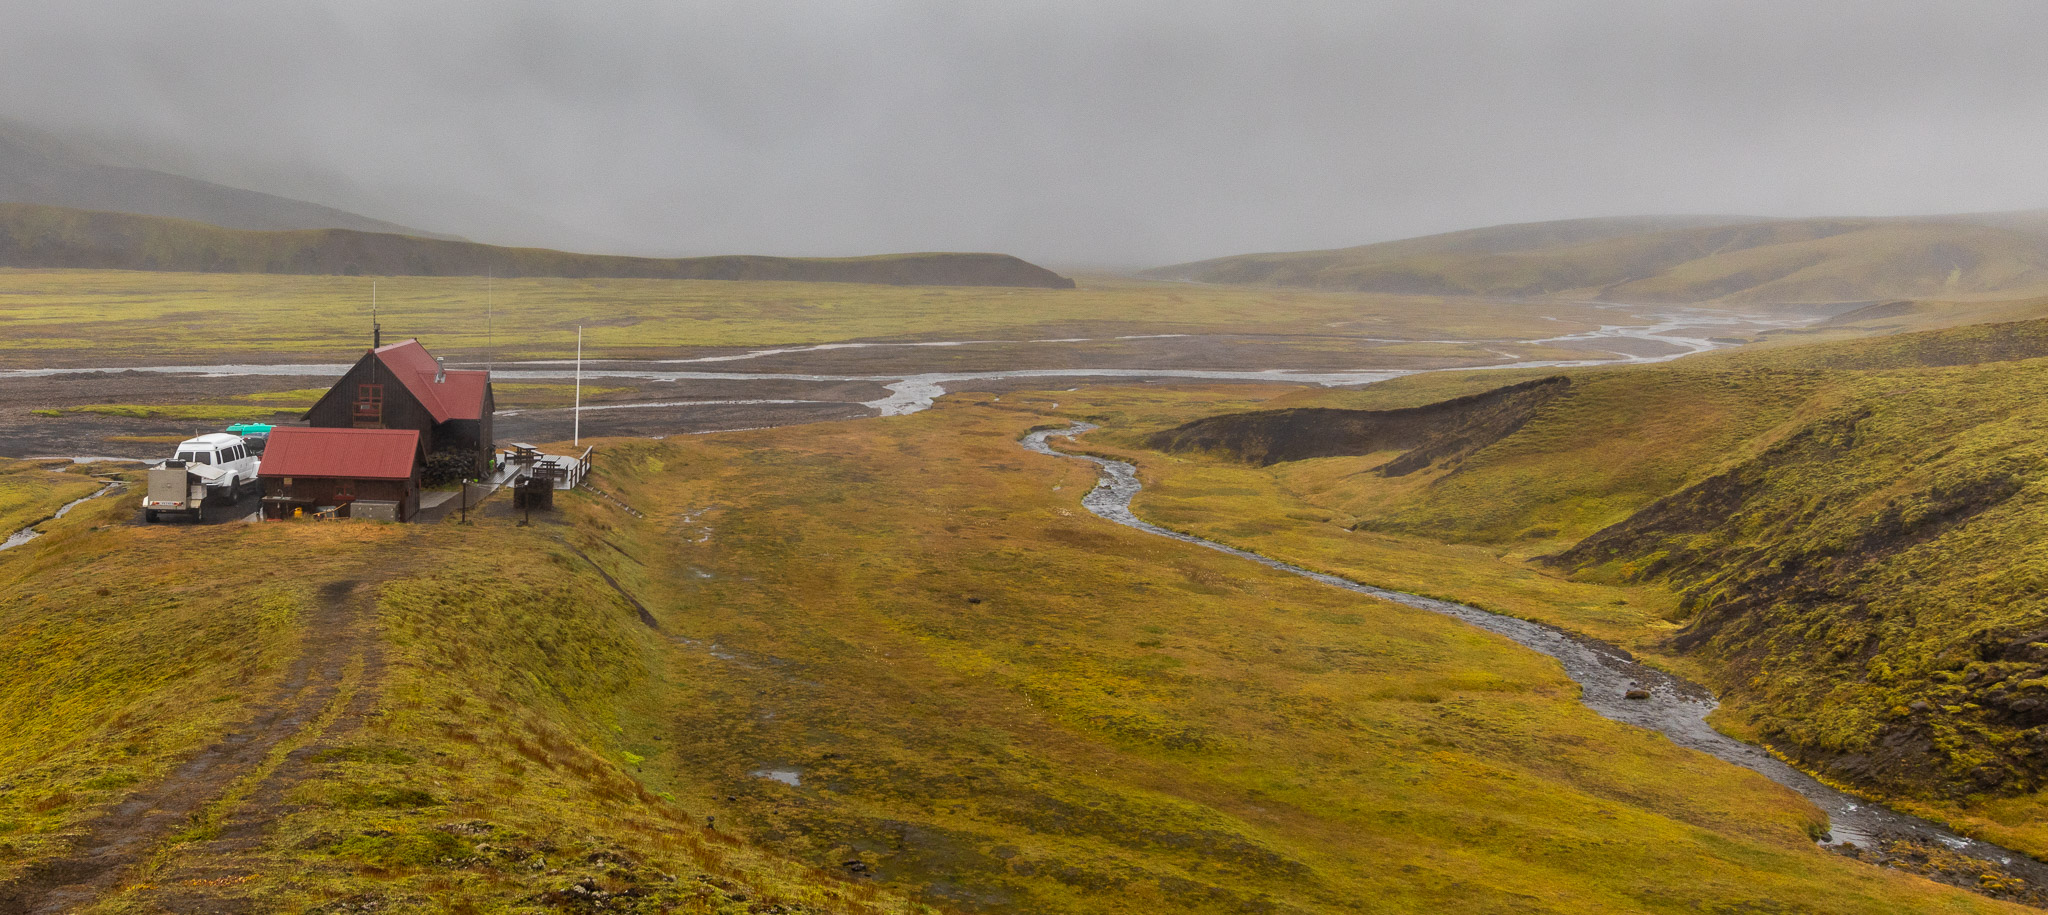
(460, 396)
(353, 454)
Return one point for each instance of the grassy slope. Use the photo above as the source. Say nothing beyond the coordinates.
(992, 694)
(1778, 261)
(1118, 721)
(129, 648)
(32, 492)
(82, 317)
(1846, 542)
(47, 236)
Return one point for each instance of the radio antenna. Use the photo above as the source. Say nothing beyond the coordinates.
(576, 436)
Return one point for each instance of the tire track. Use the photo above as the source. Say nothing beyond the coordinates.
(122, 842)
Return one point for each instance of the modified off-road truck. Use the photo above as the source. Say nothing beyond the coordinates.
(217, 467)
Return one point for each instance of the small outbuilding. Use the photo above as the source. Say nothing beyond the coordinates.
(372, 474)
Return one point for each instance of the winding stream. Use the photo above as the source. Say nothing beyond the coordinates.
(29, 533)
(1677, 708)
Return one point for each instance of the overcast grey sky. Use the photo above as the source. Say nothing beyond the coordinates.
(1071, 133)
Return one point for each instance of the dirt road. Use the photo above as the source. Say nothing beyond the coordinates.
(232, 789)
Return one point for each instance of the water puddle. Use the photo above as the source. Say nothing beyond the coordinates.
(791, 777)
(1677, 708)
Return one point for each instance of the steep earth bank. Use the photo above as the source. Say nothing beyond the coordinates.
(1445, 431)
(1859, 533)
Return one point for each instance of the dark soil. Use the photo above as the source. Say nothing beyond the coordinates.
(1425, 435)
(23, 433)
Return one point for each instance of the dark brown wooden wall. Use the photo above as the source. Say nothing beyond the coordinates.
(328, 491)
(401, 409)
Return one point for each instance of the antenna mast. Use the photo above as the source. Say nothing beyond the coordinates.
(376, 329)
(490, 312)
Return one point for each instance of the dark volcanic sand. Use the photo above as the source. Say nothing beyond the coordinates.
(660, 407)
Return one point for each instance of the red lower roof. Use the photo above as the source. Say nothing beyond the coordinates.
(354, 454)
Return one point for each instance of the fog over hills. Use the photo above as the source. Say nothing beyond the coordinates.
(45, 236)
(42, 168)
(1122, 134)
(1677, 259)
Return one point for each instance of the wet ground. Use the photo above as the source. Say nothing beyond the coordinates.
(31, 532)
(710, 389)
(243, 508)
(1606, 674)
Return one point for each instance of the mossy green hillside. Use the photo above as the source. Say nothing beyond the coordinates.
(1676, 259)
(1854, 549)
(485, 776)
(982, 690)
(986, 697)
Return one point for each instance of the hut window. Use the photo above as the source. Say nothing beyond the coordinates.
(369, 403)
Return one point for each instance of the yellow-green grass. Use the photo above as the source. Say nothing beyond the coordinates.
(991, 693)
(1766, 263)
(1904, 495)
(296, 398)
(84, 317)
(995, 699)
(183, 412)
(30, 492)
(129, 648)
(528, 396)
(126, 650)
(509, 395)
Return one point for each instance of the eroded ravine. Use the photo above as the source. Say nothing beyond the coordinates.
(1677, 708)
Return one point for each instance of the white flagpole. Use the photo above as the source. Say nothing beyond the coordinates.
(578, 433)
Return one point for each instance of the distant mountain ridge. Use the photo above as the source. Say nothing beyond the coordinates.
(47, 236)
(1676, 259)
(39, 168)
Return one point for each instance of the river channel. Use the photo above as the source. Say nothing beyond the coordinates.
(1677, 708)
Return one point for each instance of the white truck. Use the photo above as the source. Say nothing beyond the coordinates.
(217, 467)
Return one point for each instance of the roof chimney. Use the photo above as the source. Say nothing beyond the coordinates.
(440, 369)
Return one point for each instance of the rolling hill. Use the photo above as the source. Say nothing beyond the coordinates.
(45, 236)
(1852, 532)
(42, 169)
(1677, 259)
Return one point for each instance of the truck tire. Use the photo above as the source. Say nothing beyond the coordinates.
(149, 515)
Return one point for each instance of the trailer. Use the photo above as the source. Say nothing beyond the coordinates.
(216, 466)
(174, 489)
